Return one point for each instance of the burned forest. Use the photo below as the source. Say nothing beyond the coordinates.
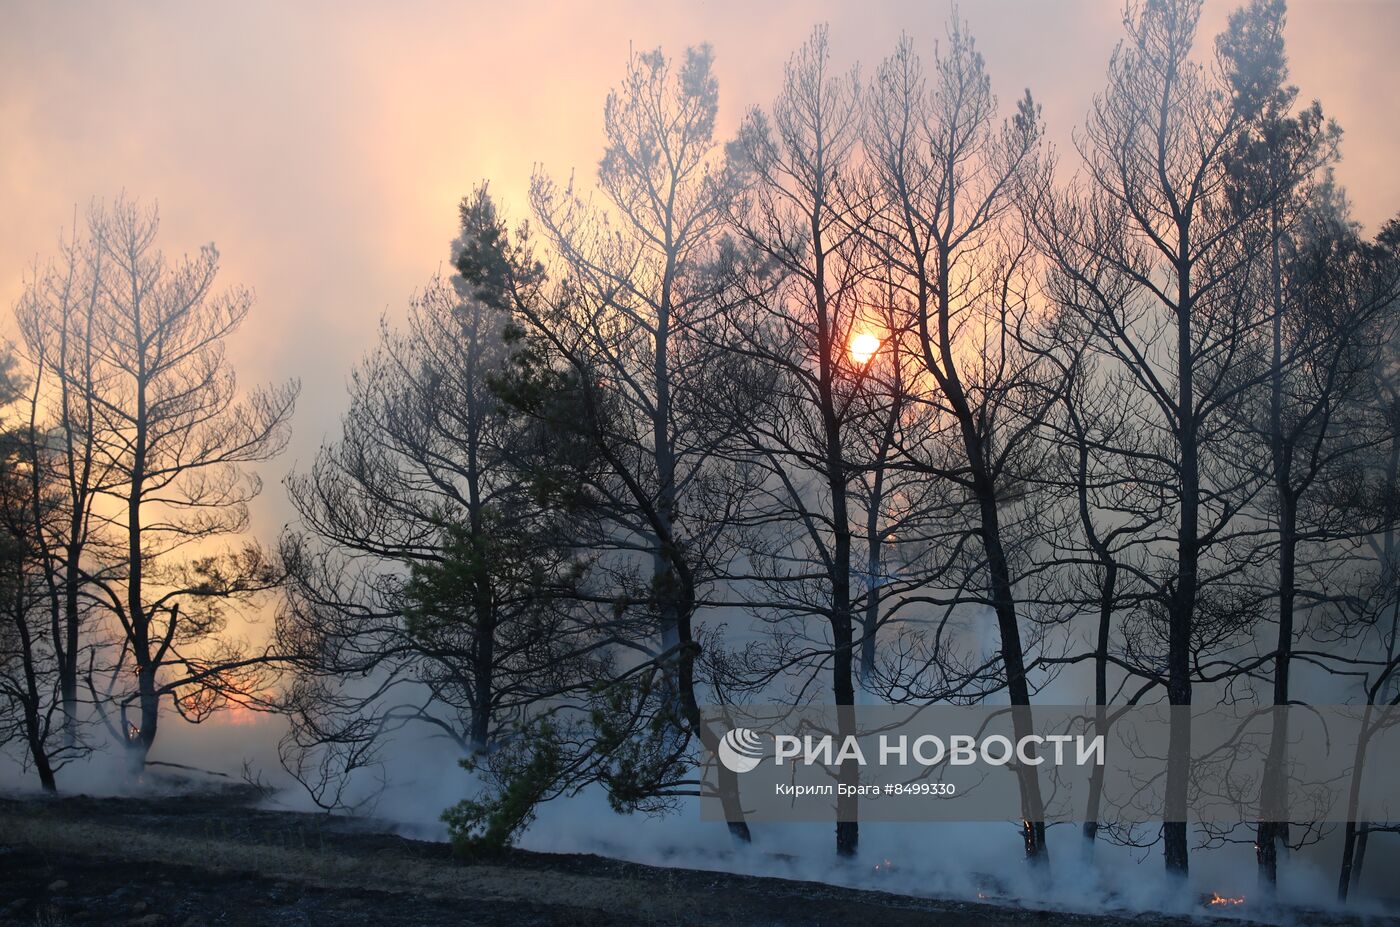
(949, 473)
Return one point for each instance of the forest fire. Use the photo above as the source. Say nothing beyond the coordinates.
(838, 463)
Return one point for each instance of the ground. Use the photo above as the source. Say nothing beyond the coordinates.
(213, 860)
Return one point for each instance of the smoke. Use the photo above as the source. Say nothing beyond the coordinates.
(966, 861)
(419, 777)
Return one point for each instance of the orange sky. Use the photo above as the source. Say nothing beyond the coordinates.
(324, 146)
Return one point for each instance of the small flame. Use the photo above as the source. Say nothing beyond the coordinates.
(1217, 899)
(884, 865)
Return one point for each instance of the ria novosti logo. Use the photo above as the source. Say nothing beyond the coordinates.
(741, 750)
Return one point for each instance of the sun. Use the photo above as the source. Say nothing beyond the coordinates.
(863, 346)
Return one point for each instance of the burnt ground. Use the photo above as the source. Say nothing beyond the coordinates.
(213, 860)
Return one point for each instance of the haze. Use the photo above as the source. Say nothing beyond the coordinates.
(324, 147)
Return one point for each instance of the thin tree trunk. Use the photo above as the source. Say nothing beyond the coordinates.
(33, 722)
(1273, 827)
(837, 485)
(140, 745)
(1096, 776)
(728, 783)
(1362, 838)
(842, 669)
(872, 614)
(1032, 804)
(1183, 598)
(999, 570)
(68, 665)
(483, 671)
(671, 579)
(1350, 868)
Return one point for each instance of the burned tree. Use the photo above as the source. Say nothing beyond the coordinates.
(1316, 354)
(431, 580)
(1356, 285)
(801, 216)
(946, 177)
(637, 286)
(33, 710)
(56, 318)
(171, 434)
(1154, 214)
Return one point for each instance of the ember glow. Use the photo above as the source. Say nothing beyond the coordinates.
(1219, 900)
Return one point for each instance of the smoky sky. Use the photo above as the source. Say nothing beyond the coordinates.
(323, 147)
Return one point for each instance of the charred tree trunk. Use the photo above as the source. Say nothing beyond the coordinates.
(483, 671)
(1182, 604)
(842, 619)
(872, 605)
(139, 745)
(1273, 828)
(1351, 865)
(688, 651)
(33, 721)
(1096, 776)
(943, 365)
(1013, 660)
(68, 659)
